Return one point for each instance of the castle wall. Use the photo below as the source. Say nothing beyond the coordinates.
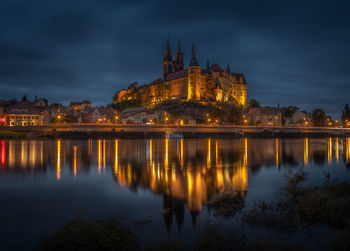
(178, 88)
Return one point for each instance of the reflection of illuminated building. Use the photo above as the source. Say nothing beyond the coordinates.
(330, 152)
(337, 150)
(58, 159)
(187, 173)
(3, 153)
(277, 153)
(306, 151)
(191, 185)
(347, 150)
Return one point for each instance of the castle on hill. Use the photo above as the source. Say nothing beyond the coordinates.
(193, 83)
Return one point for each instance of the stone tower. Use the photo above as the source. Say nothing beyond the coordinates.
(168, 61)
(194, 72)
(179, 59)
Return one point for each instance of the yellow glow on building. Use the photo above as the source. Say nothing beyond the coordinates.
(330, 151)
(277, 152)
(75, 161)
(209, 154)
(58, 174)
(306, 151)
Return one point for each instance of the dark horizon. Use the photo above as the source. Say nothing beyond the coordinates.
(291, 52)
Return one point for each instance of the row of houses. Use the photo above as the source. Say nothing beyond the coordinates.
(38, 112)
(272, 117)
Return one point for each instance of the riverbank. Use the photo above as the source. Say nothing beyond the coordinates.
(140, 132)
(300, 210)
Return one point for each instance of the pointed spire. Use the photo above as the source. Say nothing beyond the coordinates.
(193, 61)
(228, 69)
(178, 46)
(167, 53)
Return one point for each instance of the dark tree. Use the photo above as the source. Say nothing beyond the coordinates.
(345, 117)
(318, 117)
(253, 103)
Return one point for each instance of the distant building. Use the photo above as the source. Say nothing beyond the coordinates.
(185, 120)
(41, 102)
(141, 115)
(80, 105)
(300, 118)
(264, 116)
(23, 113)
(193, 83)
(99, 115)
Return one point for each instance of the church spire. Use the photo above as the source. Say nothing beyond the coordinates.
(168, 60)
(167, 53)
(179, 61)
(178, 46)
(193, 61)
(228, 68)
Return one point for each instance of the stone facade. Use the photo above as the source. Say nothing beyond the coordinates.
(193, 83)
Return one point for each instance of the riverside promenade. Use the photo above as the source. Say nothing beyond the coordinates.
(161, 131)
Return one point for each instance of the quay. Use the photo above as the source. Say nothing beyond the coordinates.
(81, 131)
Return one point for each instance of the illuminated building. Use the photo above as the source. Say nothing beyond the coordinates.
(23, 113)
(193, 83)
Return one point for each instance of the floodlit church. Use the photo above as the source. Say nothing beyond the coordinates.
(193, 83)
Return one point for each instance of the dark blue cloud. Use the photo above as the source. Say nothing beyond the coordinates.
(292, 52)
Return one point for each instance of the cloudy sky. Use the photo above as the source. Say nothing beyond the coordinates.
(291, 52)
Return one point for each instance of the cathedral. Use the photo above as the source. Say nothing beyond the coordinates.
(194, 83)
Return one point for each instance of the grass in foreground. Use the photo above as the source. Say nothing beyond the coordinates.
(88, 235)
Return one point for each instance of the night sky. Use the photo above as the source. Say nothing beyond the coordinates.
(291, 52)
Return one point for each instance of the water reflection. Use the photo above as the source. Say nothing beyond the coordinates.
(186, 172)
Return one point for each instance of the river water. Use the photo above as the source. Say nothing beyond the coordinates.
(45, 183)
